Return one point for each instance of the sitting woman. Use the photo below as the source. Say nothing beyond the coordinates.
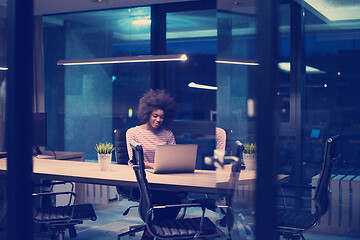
(157, 108)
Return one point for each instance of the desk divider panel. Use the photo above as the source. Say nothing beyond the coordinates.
(355, 203)
(100, 194)
(343, 215)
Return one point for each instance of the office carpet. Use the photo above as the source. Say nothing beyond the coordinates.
(111, 222)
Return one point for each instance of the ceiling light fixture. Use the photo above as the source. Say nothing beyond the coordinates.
(130, 59)
(141, 21)
(334, 10)
(237, 61)
(201, 86)
(3, 68)
(285, 66)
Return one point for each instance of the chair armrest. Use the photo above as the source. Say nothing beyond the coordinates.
(209, 203)
(186, 205)
(183, 205)
(56, 193)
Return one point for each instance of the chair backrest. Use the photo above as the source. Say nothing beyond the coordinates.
(228, 145)
(322, 191)
(145, 195)
(238, 152)
(121, 153)
(122, 157)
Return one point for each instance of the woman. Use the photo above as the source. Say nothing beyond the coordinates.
(157, 108)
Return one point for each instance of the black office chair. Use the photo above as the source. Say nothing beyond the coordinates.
(292, 223)
(122, 157)
(59, 218)
(183, 228)
(132, 194)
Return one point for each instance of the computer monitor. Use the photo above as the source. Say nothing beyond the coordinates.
(39, 131)
(315, 133)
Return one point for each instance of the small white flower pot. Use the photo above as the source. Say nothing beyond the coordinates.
(104, 161)
(250, 161)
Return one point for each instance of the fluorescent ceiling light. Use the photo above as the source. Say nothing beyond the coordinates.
(130, 59)
(201, 86)
(334, 10)
(285, 66)
(141, 21)
(237, 61)
(3, 68)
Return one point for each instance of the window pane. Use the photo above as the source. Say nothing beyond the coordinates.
(86, 103)
(193, 33)
(332, 49)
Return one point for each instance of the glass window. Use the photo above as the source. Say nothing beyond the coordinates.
(236, 41)
(193, 33)
(86, 103)
(331, 88)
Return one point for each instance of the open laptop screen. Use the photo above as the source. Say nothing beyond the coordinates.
(180, 158)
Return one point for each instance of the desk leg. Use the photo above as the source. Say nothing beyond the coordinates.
(80, 193)
(230, 215)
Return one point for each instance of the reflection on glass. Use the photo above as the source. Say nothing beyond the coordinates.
(235, 111)
(194, 81)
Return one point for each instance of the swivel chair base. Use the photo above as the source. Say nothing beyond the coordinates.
(133, 230)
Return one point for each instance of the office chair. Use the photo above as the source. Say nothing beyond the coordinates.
(183, 228)
(292, 223)
(122, 157)
(132, 194)
(59, 218)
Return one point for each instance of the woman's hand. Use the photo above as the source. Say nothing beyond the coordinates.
(149, 165)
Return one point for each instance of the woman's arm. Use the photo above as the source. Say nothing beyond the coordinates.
(149, 164)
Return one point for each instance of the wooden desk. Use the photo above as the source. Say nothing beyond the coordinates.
(122, 175)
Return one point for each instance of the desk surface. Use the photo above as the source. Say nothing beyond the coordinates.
(123, 175)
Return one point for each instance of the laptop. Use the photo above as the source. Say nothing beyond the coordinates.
(179, 158)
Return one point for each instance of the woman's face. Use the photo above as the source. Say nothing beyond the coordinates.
(156, 119)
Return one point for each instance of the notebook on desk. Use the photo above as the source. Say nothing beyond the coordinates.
(179, 158)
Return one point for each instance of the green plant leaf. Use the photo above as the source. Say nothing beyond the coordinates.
(104, 148)
(250, 148)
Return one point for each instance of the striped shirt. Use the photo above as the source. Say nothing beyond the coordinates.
(220, 139)
(148, 140)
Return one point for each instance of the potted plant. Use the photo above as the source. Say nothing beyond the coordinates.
(249, 156)
(104, 151)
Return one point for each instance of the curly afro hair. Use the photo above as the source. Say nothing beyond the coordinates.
(154, 100)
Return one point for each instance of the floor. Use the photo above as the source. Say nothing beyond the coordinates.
(110, 222)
